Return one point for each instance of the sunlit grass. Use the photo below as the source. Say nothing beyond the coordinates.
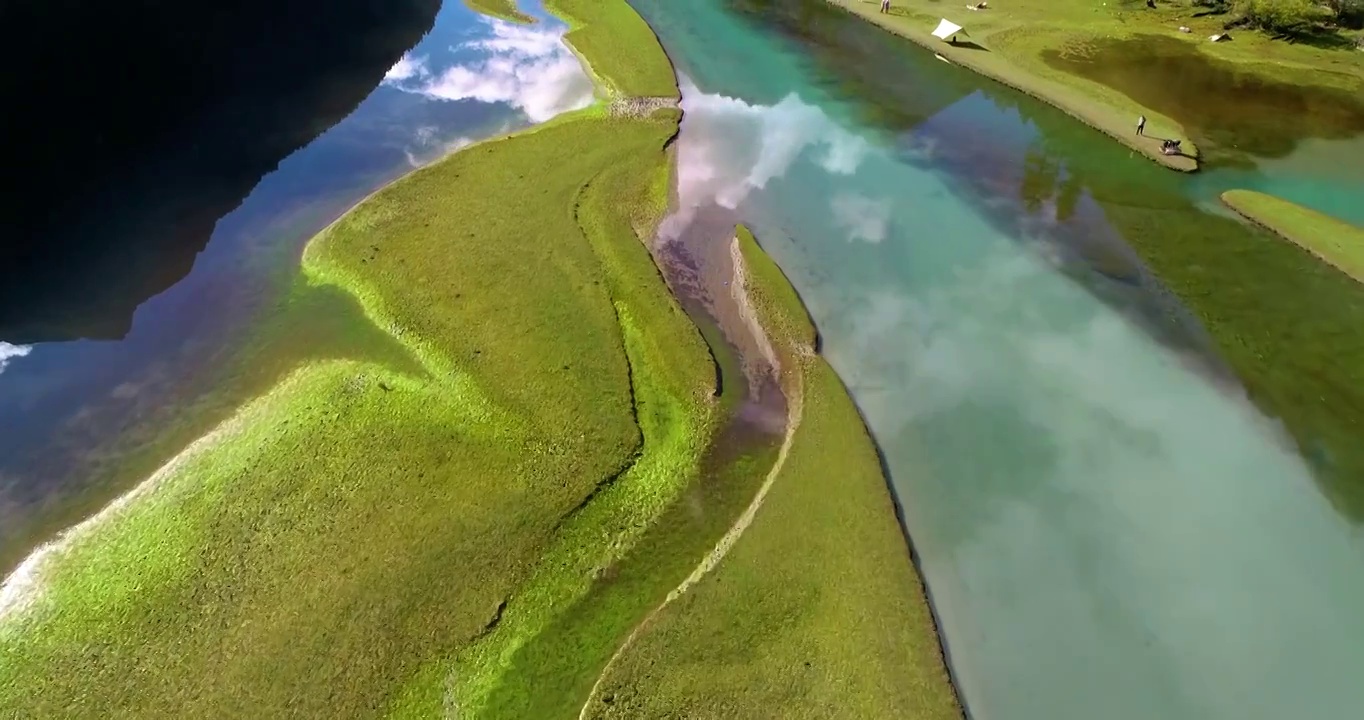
(625, 52)
(1012, 38)
(357, 524)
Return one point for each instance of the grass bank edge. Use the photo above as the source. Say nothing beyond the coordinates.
(1329, 239)
(617, 47)
(1090, 108)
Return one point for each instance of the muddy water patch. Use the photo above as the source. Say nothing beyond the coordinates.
(1231, 110)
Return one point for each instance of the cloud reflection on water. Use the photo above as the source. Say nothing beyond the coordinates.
(1087, 508)
(9, 352)
(528, 68)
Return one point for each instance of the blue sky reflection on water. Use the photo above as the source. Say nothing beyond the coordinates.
(469, 79)
(1106, 533)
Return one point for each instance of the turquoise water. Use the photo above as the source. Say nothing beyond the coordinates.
(1109, 529)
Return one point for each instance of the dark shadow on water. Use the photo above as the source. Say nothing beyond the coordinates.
(1231, 113)
(129, 129)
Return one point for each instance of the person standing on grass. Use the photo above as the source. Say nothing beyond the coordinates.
(885, 6)
(1141, 125)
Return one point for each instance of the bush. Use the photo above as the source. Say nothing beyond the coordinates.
(1349, 13)
(1291, 17)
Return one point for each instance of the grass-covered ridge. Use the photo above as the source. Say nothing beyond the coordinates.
(1333, 241)
(504, 9)
(815, 611)
(344, 543)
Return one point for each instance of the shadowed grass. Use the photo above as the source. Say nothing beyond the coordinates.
(504, 9)
(817, 611)
(1334, 241)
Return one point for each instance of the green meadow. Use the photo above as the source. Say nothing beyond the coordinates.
(485, 504)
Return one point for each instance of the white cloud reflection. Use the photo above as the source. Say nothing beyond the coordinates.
(9, 352)
(528, 68)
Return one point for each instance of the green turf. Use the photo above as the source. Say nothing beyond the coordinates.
(1011, 40)
(817, 611)
(625, 53)
(1334, 241)
(359, 523)
(504, 9)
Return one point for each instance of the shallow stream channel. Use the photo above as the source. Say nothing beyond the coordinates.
(1131, 472)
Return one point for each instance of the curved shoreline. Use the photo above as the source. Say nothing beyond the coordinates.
(1268, 213)
(1027, 83)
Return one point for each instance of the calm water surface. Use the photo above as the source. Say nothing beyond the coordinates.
(80, 421)
(1109, 529)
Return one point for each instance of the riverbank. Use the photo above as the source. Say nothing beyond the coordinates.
(1011, 43)
(774, 622)
(1333, 241)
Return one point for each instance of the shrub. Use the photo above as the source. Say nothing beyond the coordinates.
(1291, 17)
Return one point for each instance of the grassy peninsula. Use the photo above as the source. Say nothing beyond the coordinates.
(476, 519)
(1333, 241)
(1038, 46)
(810, 607)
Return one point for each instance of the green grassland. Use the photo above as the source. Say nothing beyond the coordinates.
(505, 463)
(1009, 42)
(816, 612)
(625, 54)
(357, 524)
(1334, 241)
(345, 541)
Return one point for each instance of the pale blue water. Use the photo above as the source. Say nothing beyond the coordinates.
(1105, 532)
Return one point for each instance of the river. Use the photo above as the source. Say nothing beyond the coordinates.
(1109, 527)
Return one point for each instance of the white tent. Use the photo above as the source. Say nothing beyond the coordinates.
(946, 29)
